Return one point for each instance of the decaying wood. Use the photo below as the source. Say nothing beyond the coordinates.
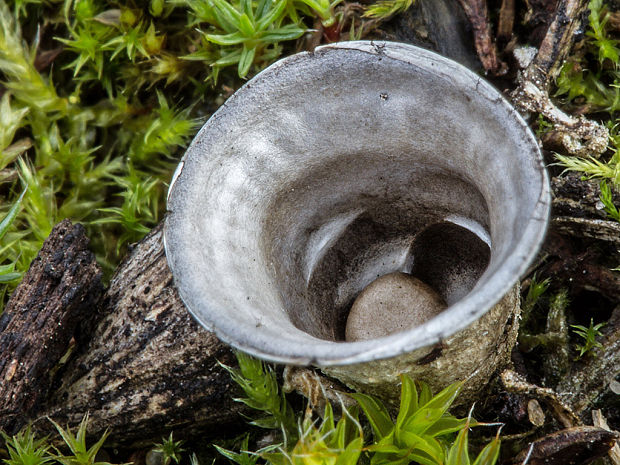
(582, 245)
(592, 377)
(140, 367)
(579, 212)
(583, 267)
(538, 16)
(517, 384)
(557, 43)
(145, 367)
(578, 135)
(581, 249)
(148, 367)
(576, 197)
(608, 231)
(60, 291)
(572, 446)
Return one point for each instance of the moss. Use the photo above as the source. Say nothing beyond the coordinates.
(98, 98)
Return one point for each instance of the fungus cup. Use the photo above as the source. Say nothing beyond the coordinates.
(333, 168)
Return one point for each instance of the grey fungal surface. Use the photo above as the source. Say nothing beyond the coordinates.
(331, 169)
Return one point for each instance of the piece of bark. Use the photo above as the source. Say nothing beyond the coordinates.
(538, 16)
(577, 211)
(557, 43)
(60, 290)
(148, 367)
(608, 231)
(582, 243)
(578, 135)
(572, 446)
(576, 197)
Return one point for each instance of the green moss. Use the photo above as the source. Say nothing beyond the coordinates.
(422, 432)
(98, 98)
(589, 82)
(589, 336)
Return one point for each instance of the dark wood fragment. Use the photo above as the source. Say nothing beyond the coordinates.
(58, 293)
(576, 197)
(583, 267)
(532, 92)
(539, 15)
(148, 367)
(608, 231)
(438, 25)
(517, 384)
(572, 446)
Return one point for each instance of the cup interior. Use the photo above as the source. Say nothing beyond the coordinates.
(336, 228)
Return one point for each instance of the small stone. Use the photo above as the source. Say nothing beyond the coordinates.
(535, 413)
(392, 303)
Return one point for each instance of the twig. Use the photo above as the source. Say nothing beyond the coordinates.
(571, 446)
(506, 20)
(478, 16)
